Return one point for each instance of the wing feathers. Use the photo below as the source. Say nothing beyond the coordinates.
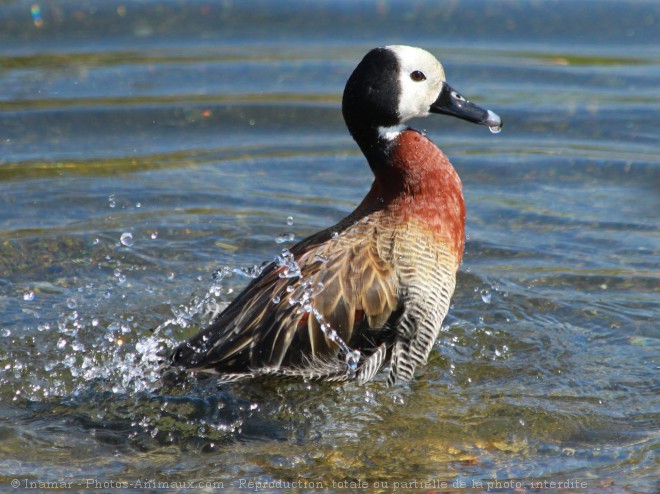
(254, 333)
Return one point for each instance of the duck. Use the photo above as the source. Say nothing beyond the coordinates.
(370, 292)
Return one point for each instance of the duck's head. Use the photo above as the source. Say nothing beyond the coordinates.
(393, 84)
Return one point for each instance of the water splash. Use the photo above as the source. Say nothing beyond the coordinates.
(352, 357)
(96, 352)
(303, 292)
(287, 261)
(249, 272)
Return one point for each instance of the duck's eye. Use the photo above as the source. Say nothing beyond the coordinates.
(418, 76)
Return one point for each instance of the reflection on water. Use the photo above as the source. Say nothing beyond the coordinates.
(147, 146)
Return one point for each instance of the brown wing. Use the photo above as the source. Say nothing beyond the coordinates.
(345, 281)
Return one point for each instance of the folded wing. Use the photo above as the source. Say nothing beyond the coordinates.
(280, 324)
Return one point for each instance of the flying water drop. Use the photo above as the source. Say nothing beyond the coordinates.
(126, 239)
(285, 237)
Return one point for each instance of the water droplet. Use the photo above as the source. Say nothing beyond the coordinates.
(61, 343)
(154, 235)
(486, 296)
(111, 201)
(249, 272)
(71, 303)
(285, 237)
(289, 220)
(96, 241)
(126, 239)
(334, 234)
(6, 332)
(95, 322)
(28, 295)
(352, 359)
(276, 299)
(121, 278)
(138, 204)
(170, 276)
(495, 129)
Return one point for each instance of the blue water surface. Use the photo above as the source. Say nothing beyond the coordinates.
(146, 145)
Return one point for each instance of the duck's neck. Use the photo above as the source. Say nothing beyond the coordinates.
(415, 181)
(375, 145)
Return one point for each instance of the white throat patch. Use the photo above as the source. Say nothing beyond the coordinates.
(391, 133)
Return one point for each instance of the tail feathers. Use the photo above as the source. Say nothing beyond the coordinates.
(371, 365)
(331, 369)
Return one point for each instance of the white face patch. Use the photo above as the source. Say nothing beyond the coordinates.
(416, 96)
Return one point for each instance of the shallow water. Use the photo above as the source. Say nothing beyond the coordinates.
(199, 129)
